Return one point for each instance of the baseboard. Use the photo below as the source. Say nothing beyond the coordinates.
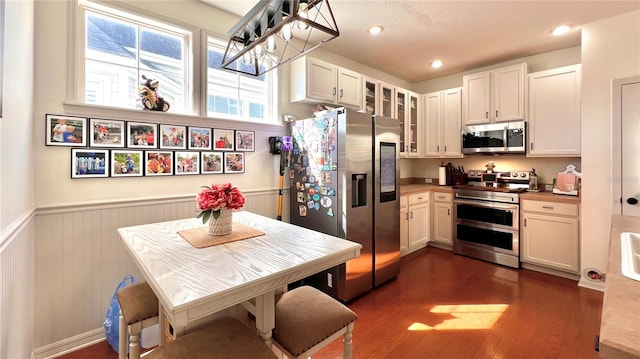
(69, 345)
(546, 270)
(587, 283)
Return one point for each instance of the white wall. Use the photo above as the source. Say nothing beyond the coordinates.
(610, 50)
(16, 173)
(51, 56)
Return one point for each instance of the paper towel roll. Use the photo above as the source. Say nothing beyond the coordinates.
(442, 176)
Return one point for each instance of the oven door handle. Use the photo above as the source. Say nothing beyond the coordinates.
(496, 205)
(504, 137)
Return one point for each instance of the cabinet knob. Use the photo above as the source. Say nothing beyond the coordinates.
(632, 201)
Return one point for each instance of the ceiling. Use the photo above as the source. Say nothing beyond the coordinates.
(462, 34)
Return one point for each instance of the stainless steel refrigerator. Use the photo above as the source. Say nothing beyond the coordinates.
(344, 181)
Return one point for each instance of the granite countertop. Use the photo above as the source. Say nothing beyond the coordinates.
(415, 188)
(620, 323)
(550, 197)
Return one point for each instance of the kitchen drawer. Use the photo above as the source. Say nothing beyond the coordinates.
(421, 197)
(403, 201)
(442, 197)
(564, 209)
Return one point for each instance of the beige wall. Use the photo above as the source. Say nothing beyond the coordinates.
(610, 50)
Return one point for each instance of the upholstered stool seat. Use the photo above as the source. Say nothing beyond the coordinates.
(308, 319)
(224, 338)
(138, 310)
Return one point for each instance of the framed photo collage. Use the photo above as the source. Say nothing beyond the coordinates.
(117, 148)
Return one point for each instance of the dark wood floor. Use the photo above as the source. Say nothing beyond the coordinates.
(448, 306)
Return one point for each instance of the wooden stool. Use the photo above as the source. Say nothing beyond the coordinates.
(138, 310)
(308, 319)
(225, 338)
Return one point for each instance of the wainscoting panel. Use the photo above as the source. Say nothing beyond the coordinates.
(16, 291)
(80, 260)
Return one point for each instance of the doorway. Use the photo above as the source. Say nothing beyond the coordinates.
(626, 118)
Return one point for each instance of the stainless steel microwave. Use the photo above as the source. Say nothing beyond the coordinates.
(495, 138)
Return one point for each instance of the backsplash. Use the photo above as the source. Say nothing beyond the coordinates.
(546, 168)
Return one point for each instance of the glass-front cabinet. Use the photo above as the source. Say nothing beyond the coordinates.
(371, 96)
(387, 100)
(407, 104)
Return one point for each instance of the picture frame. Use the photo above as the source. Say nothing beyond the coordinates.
(187, 163)
(126, 163)
(89, 163)
(158, 163)
(106, 133)
(173, 137)
(234, 162)
(223, 140)
(142, 135)
(65, 130)
(199, 138)
(211, 162)
(245, 141)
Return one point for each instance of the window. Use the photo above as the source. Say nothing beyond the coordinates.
(120, 48)
(235, 95)
(117, 47)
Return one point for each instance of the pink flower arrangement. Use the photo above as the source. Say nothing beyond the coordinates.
(212, 199)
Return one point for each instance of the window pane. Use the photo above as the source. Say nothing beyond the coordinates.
(160, 51)
(117, 54)
(250, 94)
(110, 40)
(110, 84)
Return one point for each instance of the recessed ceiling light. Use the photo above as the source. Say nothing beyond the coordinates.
(436, 64)
(561, 30)
(375, 29)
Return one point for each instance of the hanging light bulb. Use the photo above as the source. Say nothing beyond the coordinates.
(271, 44)
(287, 33)
(259, 51)
(247, 59)
(304, 13)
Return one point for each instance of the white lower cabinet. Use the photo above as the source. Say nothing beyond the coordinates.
(549, 235)
(414, 222)
(442, 218)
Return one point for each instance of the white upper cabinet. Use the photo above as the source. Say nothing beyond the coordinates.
(379, 98)
(443, 123)
(494, 96)
(314, 80)
(407, 112)
(554, 112)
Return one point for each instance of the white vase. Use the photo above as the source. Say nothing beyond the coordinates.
(223, 225)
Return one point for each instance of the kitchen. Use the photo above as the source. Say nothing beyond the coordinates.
(32, 278)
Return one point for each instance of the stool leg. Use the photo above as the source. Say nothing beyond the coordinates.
(134, 340)
(348, 341)
(123, 335)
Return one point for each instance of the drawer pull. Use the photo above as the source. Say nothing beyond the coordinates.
(440, 197)
(547, 207)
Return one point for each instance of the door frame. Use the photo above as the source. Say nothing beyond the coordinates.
(616, 107)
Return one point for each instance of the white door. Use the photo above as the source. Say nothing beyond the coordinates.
(630, 112)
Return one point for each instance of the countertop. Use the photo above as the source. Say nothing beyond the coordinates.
(537, 196)
(415, 188)
(550, 197)
(620, 324)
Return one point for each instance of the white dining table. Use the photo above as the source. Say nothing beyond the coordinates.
(192, 284)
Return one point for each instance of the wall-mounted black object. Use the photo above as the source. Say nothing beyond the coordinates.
(274, 145)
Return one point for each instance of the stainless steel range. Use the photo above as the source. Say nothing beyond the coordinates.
(486, 212)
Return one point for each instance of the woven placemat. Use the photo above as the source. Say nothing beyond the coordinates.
(200, 238)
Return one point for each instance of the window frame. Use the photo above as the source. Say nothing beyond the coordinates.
(195, 74)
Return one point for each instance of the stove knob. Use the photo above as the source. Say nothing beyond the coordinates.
(472, 173)
(514, 174)
(523, 174)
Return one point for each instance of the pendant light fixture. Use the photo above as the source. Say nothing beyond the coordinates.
(275, 32)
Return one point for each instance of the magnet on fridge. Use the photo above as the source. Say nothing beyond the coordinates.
(327, 178)
(291, 174)
(323, 190)
(330, 212)
(317, 206)
(331, 191)
(311, 204)
(326, 202)
(307, 185)
(308, 171)
(312, 191)
(316, 197)
(301, 197)
(304, 179)
(302, 210)
(312, 179)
